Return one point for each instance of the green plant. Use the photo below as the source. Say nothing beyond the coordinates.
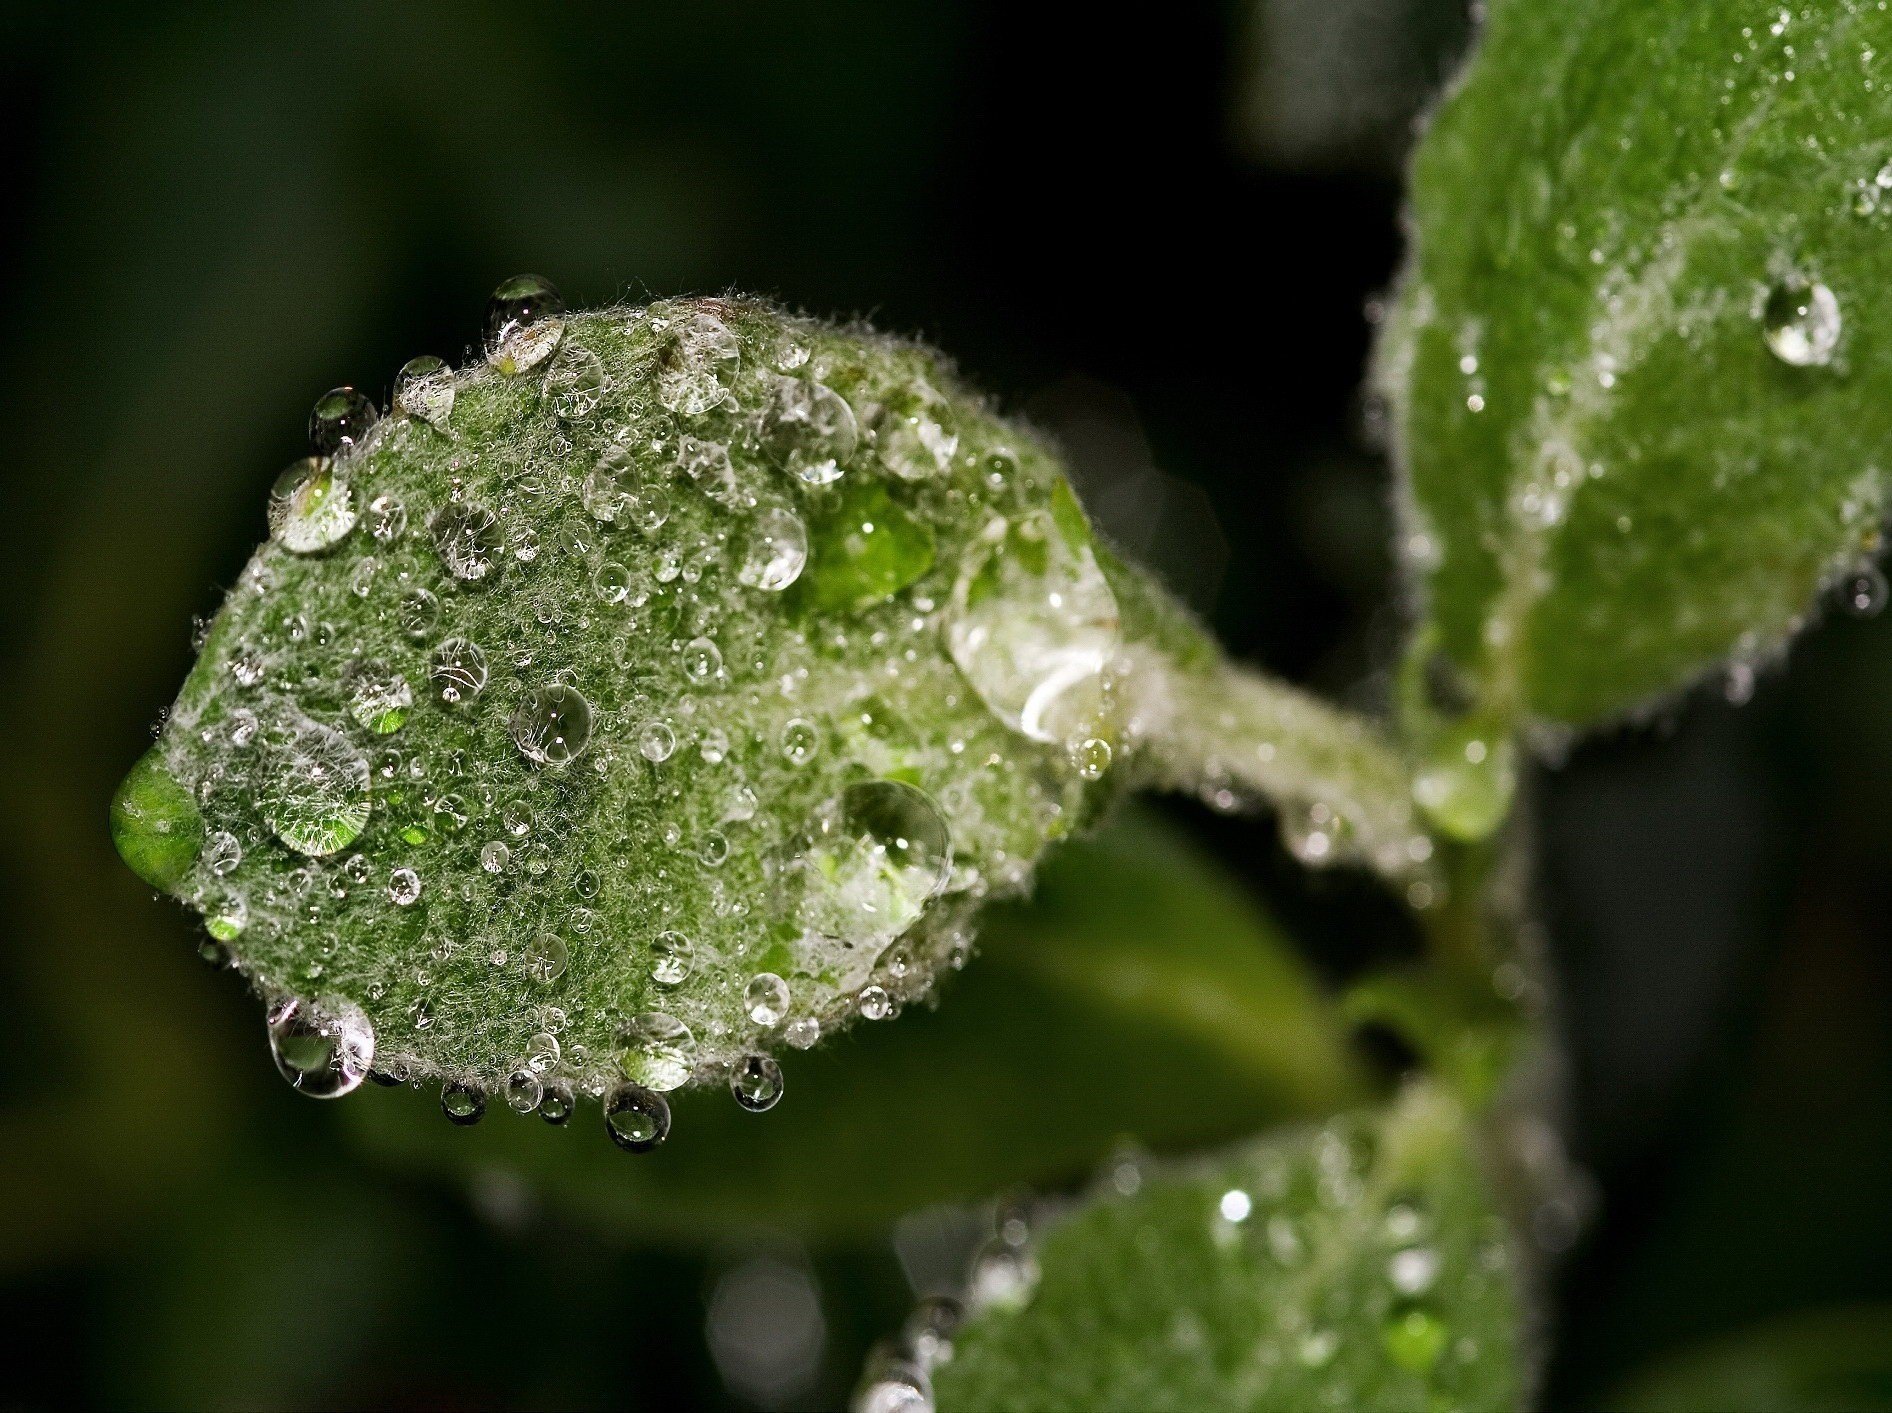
(682, 682)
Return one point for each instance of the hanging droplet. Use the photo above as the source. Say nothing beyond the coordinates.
(323, 1047)
(468, 539)
(156, 825)
(1801, 323)
(637, 1119)
(424, 388)
(756, 1083)
(525, 1091)
(315, 790)
(462, 1104)
(523, 323)
(766, 998)
(310, 507)
(378, 697)
(556, 1105)
(458, 670)
(575, 383)
(672, 955)
(552, 725)
(1004, 1275)
(1035, 628)
(810, 430)
(694, 358)
(777, 551)
(659, 1053)
(892, 1383)
(874, 1003)
(804, 1033)
(340, 419)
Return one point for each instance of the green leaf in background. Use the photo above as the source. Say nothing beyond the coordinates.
(1814, 1362)
(1640, 366)
(1358, 1265)
(1140, 995)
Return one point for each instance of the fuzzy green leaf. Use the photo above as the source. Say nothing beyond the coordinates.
(1134, 944)
(1640, 366)
(1359, 1265)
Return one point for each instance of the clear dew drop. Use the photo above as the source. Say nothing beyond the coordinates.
(1466, 783)
(404, 888)
(766, 998)
(656, 741)
(777, 551)
(1801, 323)
(804, 1033)
(457, 670)
(418, 612)
(424, 389)
(672, 957)
(799, 741)
(462, 1104)
(611, 582)
(339, 420)
(378, 697)
(893, 1385)
(874, 1003)
(756, 1083)
(616, 493)
(552, 725)
(523, 323)
(659, 1052)
(1864, 592)
(525, 1091)
(1004, 1276)
(1034, 626)
(543, 1052)
(495, 856)
(323, 1047)
(694, 358)
(310, 507)
(469, 540)
(315, 790)
(387, 518)
(913, 435)
(575, 383)
(556, 1105)
(637, 1118)
(222, 853)
(810, 430)
(875, 861)
(1414, 1270)
(702, 660)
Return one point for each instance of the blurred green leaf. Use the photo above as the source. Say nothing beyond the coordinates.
(1806, 1363)
(1358, 1265)
(1640, 368)
(1140, 996)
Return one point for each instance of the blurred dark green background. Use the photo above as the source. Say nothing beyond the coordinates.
(1155, 234)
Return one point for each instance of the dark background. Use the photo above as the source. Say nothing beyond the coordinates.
(1158, 234)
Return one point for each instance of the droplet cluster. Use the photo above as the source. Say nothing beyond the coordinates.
(668, 684)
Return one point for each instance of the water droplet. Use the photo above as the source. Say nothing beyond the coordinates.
(777, 550)
(1235, 1205)
(340, 419)
(222, 853)
(462, 1104)
(552, 725)
(156, 825)
(875, 1004)
(387, 518)
(800, 741)
(523, 326)
(804, 1033)
(1034, 626)
(656, 741)
(1864, 593)
(702, 660)
(694, 356)
(864, 548)
(310, 507)
(418, 612)
(766, 998)
(876, 862)
(315, 795)
(556, 1107)
(1467, 781)
(637, 1119)
(929, 1331)
(458, 670)
(543, 1052)
(575, 383)
(378, 697)
(707, 464)
(1004, 1276)
(1801, 322)
(424, 388)
(323, 1047)
(494, 856)
(1090, 757)
(892, 1385)
(756, 1083)
(469, 540)
(672, 955)
(524, 1091)
(616, 493)
(660, 1051)
(612, 582)
(545, 958)
(404, 887)
(912, 433)
(810, 430)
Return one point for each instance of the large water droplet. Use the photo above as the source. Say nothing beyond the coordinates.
(552, 725)
(546, 957)
(756, 1083)
(156, 825)
(1801, 322)
(810, 430)
(340, 419)
(523, 326)
(314, 793)
(777, 550)
(913, 433)
(458, 670)
(1467, 780)
(694, 358)
(378, 697)
(310, 507)
(659, 1051)
(323, 1047)
(864, 549)
(875, 861)
(424, 388)
(462, 1104)
(637, 1119)
(1035, 629)
(766, 998)
(469, 540)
